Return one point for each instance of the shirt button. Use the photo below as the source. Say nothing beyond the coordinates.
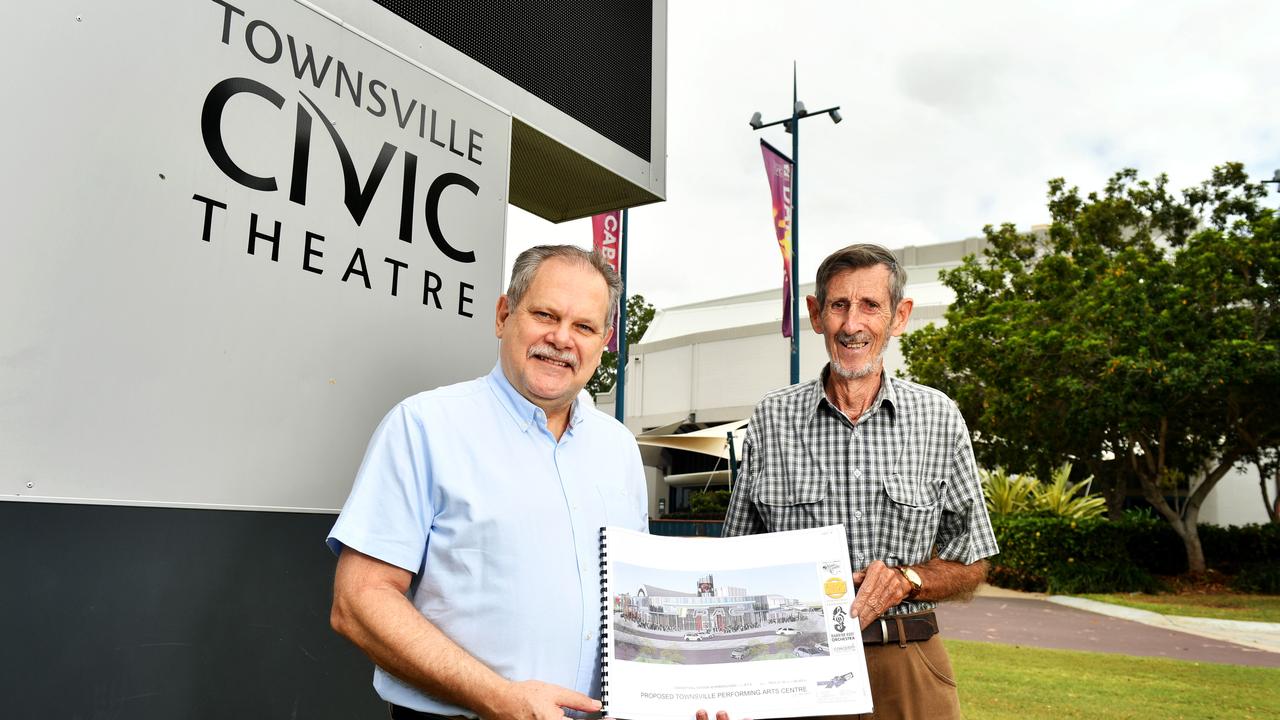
(587, 636)
(860, 556)
(857, 473)
(857, 515)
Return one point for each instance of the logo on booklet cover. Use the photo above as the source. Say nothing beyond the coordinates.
(835, 588)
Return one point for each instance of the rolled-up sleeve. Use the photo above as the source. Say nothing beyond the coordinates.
(964, 533)
(741, 518)
(388, 513)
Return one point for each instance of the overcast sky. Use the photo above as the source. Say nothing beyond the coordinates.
(956, 115)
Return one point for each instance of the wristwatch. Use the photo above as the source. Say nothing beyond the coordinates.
(912, 577)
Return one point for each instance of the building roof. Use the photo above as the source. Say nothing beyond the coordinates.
(761, 308)
(653, 591)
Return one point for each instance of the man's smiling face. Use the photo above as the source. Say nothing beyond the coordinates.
(552, 341)
(857, 322)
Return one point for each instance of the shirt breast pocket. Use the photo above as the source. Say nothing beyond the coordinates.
(623, 508)
(794, 502)
(912, 516)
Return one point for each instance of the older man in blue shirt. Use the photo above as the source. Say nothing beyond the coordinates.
(468, 567)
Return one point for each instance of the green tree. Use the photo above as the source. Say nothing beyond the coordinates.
(1136, 338)
(639, 315)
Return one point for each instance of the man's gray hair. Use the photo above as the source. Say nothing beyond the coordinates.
(528, 262)
(856, 257)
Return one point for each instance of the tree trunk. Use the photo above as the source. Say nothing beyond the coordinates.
(1191, 514)
(1117, 493)
(1191, 538)
(1273, 506)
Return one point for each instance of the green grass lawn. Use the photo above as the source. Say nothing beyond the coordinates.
(1007, 681)
(1224, 606)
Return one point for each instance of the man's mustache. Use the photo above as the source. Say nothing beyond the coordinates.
(549, 353)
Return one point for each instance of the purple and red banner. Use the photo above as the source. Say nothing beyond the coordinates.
(779, 167)
(607, 240)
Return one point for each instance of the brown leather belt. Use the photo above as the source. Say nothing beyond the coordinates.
(900, 629)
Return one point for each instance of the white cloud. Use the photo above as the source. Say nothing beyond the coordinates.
(956, 115)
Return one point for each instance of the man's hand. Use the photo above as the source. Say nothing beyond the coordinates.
(720, 715)
(535, 700)
(880, 587)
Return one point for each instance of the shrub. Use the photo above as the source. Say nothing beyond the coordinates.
(1078, 578)
(709, 502)
(1010, 494)
(1062, 497)
(1263, 577)
(1152, 544)
(1054, 554)
(1006, 494)
(1238, 546)
(715, 516)
(1057, 554)
(1155, 547)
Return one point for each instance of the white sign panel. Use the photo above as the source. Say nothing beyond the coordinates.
(235, 234)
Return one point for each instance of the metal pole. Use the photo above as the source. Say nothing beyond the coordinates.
(733, 463)
(619, 387)
(795, 231)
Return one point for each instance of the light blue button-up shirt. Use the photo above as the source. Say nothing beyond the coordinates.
(465, 487)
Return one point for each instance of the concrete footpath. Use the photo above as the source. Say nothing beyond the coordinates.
(1056, 621)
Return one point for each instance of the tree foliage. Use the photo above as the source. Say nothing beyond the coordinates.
(639, 315)
(1137, 338)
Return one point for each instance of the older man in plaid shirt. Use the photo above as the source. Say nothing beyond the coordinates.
(892, 461)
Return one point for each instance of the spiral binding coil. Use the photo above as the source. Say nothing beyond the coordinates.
(604, 621)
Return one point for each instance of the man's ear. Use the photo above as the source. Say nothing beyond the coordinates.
(901, 316)
(501, 313)
(815, 313)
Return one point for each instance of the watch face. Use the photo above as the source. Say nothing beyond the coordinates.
(912, 577)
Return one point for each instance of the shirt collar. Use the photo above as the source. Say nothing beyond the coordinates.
(817, 395)
(523, 412)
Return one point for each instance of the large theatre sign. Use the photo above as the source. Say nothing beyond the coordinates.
(241, 232)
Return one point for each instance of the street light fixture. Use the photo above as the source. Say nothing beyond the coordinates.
(792, 125)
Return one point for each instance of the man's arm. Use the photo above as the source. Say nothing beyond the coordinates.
(880, 587)
(741, 518)
(370, 609)
(964, 533)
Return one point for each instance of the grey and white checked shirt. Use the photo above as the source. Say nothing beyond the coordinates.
(902, 478)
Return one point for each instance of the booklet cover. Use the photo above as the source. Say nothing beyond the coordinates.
(758, 626)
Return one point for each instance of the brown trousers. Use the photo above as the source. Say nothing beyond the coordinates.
(914, 682)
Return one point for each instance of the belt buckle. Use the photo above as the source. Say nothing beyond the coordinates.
(884, 632)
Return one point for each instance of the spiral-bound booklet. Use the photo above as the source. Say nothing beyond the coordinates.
(758, 626)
